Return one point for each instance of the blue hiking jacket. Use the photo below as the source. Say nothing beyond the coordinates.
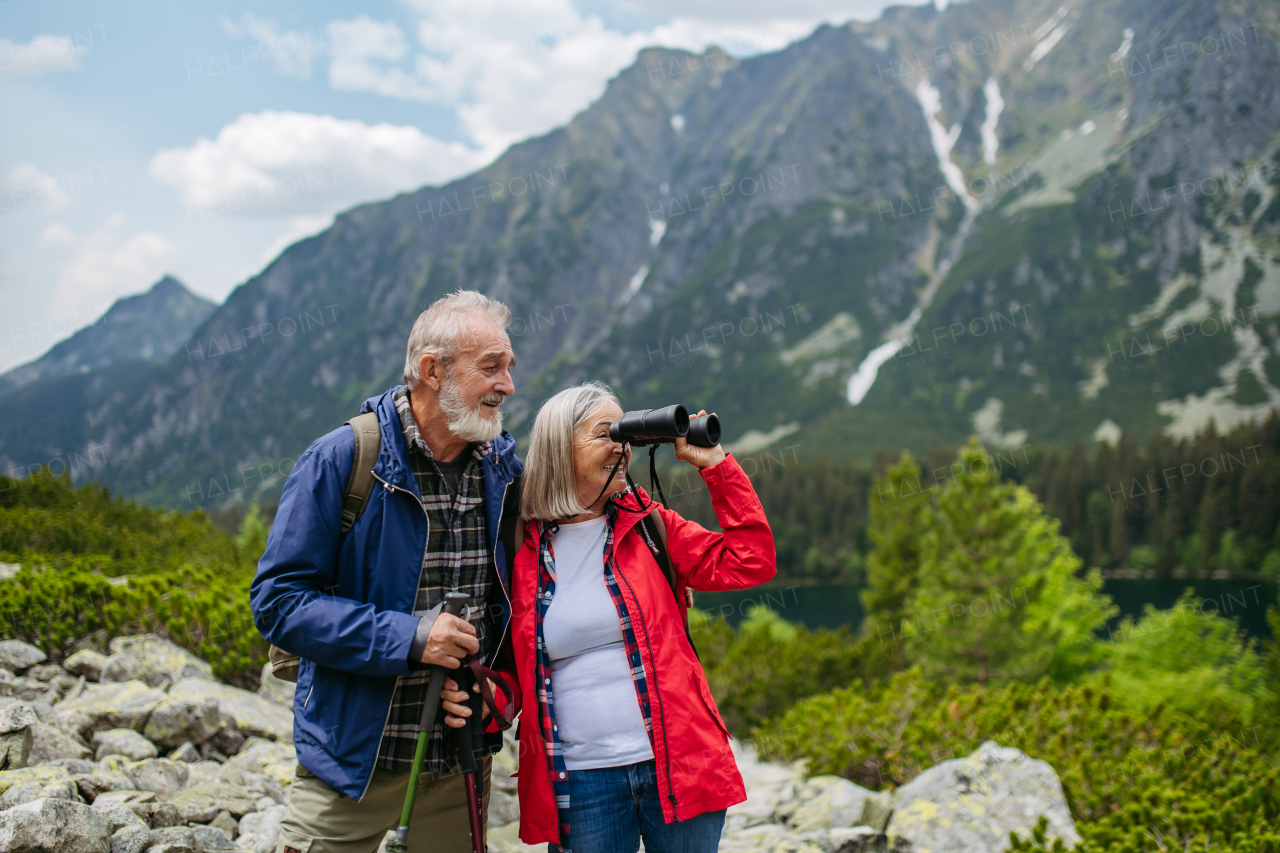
(345, 603)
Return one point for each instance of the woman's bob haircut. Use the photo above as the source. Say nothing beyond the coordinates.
(549, 491)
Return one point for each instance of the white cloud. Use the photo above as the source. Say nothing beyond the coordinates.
(516, 69)
(290, 51)
(43, 54)
(765, 10)
(363, 53)
(299, 164)
(105, 264)
(27, 185)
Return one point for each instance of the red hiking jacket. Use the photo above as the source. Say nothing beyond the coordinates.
(695, 768)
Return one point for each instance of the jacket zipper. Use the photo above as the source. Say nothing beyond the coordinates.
(501, 583)
(392, 490)
(666, 750)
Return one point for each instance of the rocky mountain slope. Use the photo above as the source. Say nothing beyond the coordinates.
(146, 328)
(886, 235)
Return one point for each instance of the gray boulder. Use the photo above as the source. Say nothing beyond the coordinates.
(204, 801)
(160, 775)
(8, 682)
(211, 838)
(176, 836)
(275, 761)
(259, 831)
(973, 803)
(130, 839)
(152, 660)
(34, 783)
(253, 714)
(274, 689)
(828, 802)
(75, 766)
(187, 753)
(225, 822)
(92, 785)
(16, 655)
(129, 798)
(158, 815)
(54, 743)
(54, 826)
(47, 672)
(124, 705)
(15, 747)
(179, 719)
(15, 716)
(87, 663)
(124, 742)
(121, 816)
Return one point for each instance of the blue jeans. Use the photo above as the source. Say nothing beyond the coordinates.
(612, 808)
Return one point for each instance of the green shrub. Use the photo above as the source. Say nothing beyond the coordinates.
(1130, 778)
(95, 568)
(768, 664)
(1189, 661)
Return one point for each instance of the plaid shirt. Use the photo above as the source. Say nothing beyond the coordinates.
(457, 557)
(542, 661)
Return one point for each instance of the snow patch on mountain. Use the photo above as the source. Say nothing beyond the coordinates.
(943, 140)
(995, 105)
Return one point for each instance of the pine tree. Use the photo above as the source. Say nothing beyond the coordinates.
(997, 596)
(899, 502)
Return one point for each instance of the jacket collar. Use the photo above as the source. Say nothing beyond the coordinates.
(393, 457)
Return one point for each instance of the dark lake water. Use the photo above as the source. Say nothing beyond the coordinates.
(834, 606)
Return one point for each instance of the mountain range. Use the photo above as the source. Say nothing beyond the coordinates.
(1030, 221)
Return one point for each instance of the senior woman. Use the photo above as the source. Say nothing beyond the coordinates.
(620, 738)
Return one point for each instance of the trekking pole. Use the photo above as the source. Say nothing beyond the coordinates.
(470, 746)
(453, 602)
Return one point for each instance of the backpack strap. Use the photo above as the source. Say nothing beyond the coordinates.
(655, 534)
(285, 664)
(655, 530)
(360, 481)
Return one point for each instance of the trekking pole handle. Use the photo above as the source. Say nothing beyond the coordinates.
(453, 605)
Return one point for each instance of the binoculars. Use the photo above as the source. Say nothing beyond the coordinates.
(644, 427)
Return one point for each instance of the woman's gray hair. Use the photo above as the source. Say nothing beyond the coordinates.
(549, 490)
(440, 328)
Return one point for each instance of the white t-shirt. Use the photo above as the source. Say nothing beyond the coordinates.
(597, 713)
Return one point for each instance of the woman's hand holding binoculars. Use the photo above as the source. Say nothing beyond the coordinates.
(699, 457)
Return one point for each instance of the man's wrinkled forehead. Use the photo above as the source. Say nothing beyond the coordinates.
(486, 343)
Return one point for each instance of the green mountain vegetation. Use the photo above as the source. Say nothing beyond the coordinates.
(1197, 507)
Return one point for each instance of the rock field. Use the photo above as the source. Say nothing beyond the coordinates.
(144, 751)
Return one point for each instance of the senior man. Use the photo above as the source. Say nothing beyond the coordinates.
(363, 608)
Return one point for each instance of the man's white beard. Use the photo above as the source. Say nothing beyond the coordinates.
(466, 423)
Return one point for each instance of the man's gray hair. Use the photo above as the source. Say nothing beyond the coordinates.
(440, 328)
(549, 490)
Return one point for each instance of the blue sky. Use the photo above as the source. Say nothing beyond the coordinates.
(200, 139)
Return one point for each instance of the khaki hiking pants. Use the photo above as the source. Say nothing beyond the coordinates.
(318, 820)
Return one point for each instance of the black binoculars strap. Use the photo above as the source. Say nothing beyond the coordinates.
(654, 483)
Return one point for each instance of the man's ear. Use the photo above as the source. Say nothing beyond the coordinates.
(432, 371)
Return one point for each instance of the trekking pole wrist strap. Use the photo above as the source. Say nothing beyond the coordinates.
(483, 675)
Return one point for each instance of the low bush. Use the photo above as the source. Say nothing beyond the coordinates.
(1157, 780)
(94, 567)
(767, 665)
